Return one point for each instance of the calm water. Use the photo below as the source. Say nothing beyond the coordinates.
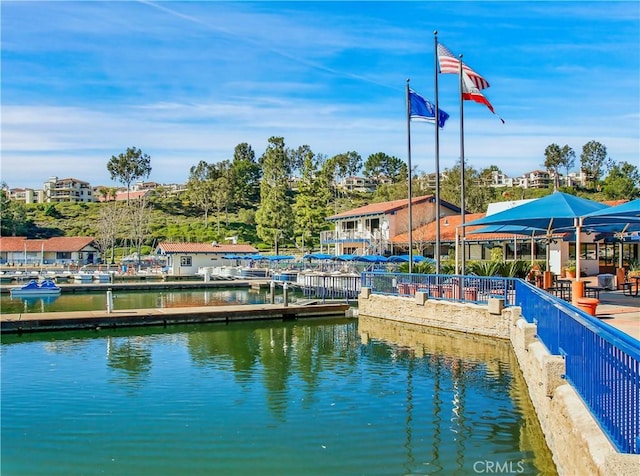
(136, 300)
(329, 397)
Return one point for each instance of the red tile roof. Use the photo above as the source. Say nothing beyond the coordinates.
(61, 243)
(166, 247)
(387, 207)
(427, 233)
(447, 229)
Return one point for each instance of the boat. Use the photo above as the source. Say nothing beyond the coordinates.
(83, 277)
(33, 288)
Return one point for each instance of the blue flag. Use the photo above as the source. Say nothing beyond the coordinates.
(424, 110)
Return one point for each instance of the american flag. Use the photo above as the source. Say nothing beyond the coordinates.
(450, 64)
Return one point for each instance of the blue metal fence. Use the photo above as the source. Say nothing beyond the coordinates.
(476, 289)
(602, 363)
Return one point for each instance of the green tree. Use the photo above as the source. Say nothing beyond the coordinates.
(380, 165)
(245, 177)
(221, 193)
(13, 215)
(345, 164)
(477, 197)
(593, 160)
(552, 161)
(556, 157)
(568, 158)
(622, 182)
(129, 166)
(201, 187)
(274, 217)
(310, 202)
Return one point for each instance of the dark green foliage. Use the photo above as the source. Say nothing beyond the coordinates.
(52, 211)
(510, 269)
(485, 268)
(425, 267)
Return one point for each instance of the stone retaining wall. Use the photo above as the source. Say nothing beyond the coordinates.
(578, 445)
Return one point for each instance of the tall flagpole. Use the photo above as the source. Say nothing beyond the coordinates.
(436, 251)
(462, 197)
(409, 177)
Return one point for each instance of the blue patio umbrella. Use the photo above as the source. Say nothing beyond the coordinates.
(510, 229)
(318, 256)
(405, 259)
(278, 257)
(344, 257)
(616, 224)
(627, 212)
(371, 259)
(554, 212)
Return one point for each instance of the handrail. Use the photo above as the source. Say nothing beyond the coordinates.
(602, 363)
(446, 287)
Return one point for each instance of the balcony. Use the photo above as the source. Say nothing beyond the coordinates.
(347, 236)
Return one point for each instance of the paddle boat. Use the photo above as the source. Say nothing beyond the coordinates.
(33, 288)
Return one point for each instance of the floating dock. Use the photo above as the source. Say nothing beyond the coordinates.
(77, 320)
(95, 287)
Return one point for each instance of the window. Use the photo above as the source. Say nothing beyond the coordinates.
(587, 251)
(372, 224)
(185, 260)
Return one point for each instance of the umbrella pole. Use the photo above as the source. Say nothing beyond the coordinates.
(532, 250)
(578, 223)
(457, 252)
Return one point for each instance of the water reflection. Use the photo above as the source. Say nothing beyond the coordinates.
(131, 356)
(135, 300)
(406, 399)
(31, 303)
(465, 360)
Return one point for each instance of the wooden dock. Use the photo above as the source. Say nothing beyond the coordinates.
(95, 287)
(76, 320)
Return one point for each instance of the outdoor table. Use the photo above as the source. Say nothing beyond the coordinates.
(637, 285)
(592, 291)
(562, 289)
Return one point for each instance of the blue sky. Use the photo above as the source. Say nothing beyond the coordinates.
(188, 81)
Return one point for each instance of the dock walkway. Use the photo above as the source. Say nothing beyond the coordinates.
(75, 320)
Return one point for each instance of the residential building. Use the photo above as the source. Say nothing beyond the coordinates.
(363, 184)
(186, 259)
(499, 179)
(26, 195)
(370, 229)
(535, 179)
(67, 190)
(357, 184)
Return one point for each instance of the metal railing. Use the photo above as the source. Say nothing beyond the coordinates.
(476, 289)
(354, 236)
(601, 363)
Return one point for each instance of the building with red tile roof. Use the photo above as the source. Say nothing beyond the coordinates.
(185, 259)
(61, 250)
(370, 229)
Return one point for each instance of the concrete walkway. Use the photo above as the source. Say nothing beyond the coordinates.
(620, 311)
